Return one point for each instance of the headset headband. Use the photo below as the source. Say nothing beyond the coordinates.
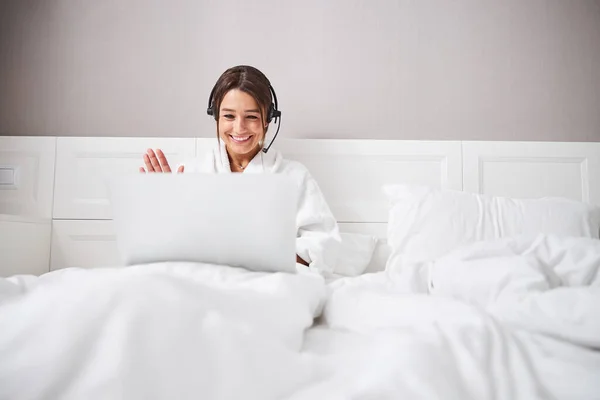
(272, 113)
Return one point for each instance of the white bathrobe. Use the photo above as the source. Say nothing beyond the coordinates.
(318, 240)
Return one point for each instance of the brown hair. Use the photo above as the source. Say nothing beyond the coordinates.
(247, 79)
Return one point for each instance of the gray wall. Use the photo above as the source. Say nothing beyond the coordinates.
(464, 69)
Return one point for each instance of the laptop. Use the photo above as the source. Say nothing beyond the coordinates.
(240, 220)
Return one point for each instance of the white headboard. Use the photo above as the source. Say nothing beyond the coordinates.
(54, 210)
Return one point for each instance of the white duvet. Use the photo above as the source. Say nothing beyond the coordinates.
(512, 319)
(164, 331)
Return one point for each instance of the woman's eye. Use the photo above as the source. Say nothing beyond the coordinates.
(228, 116)
(252, 117)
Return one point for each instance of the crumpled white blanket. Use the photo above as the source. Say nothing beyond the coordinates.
(164, 331)
(511, 319)
(517, 318)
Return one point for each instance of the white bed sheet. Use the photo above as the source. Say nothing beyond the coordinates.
(162, 331)
(512, 319)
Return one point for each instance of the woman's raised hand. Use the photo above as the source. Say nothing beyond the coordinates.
(157, 162)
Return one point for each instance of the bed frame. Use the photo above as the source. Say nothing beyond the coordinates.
(54, 211)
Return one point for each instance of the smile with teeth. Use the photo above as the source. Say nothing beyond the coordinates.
(240, 139)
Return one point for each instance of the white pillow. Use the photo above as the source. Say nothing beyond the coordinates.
(355, 253)
(425, 223)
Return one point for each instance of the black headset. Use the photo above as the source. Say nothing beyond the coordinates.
(272, 114)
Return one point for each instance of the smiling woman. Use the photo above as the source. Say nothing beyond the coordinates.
(243, 104)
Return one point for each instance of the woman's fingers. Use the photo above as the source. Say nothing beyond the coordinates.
(154, 161)
(142, 170)
(157, 162)
(163, 161)
(148, 163)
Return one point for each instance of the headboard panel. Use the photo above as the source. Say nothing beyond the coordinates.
(352, 172)
(68, 186)
(533, 169)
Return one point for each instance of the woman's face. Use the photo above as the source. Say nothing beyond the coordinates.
(240, 125)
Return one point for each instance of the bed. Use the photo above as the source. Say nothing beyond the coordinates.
(471, 272)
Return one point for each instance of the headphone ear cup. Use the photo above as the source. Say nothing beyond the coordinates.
(211, 111)
(271, 113)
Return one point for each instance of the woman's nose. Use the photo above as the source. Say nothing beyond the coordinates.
(239, 125)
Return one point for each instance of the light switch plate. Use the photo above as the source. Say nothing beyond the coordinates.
(8, 177)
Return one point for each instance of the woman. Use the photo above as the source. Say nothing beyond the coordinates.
(242, 106)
